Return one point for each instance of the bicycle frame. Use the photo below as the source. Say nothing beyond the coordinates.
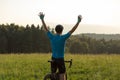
(55, 76)
(67, 61)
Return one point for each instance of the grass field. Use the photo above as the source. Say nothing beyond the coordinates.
(35, 66)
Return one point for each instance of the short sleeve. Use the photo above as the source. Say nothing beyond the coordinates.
(66, 36)
(49, 34)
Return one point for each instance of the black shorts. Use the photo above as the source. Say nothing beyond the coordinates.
(58, 64)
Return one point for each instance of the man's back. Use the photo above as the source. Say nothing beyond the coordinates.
(58, 44)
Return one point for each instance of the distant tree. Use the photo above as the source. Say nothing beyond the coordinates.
(100, 46)
(79, 47)
(75, 48)
(3, 40)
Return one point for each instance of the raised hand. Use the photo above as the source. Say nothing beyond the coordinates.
(79, 18)
(41, 15)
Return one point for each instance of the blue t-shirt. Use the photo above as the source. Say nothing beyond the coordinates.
(58, 44)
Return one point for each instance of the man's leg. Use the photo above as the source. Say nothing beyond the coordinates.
(62, 76)
(62, 69)
(53, 66)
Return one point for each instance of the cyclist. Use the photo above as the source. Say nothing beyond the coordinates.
(58, 44)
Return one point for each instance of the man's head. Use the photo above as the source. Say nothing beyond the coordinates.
(59, 29)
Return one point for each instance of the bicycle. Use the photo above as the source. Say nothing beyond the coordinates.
(55, 76)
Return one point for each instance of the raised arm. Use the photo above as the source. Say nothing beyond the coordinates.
(76, 25)
(41, 15)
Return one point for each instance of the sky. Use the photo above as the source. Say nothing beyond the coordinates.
(99, 16)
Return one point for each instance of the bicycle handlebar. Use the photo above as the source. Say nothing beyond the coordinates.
(67, 61)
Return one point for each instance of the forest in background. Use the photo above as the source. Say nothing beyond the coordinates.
(33, 39)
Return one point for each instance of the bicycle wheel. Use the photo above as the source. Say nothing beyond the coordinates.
(47, 77)
(52, 77)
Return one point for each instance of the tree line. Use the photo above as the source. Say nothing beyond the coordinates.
(20, 39)
(85, 44)
(33, 39)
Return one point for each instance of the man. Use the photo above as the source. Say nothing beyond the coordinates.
(58, 44)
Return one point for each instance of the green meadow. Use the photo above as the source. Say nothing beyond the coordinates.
(35, 66)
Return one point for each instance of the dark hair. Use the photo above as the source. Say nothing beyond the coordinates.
(59, 28)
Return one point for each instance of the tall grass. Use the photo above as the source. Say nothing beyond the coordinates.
(35, 66)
